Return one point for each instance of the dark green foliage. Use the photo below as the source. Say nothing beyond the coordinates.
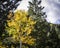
(46, 34)
(5, 7)
(35, 10)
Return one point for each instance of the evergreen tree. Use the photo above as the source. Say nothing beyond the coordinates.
(45, 33)
(5, 7)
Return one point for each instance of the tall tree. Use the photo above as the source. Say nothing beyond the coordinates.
(45, 33)
(20, 27)
(5, 7)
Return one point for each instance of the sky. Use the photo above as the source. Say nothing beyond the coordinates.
(24, 5)
(52, 9)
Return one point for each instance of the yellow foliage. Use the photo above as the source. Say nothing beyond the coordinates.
(1, 46)
(28, 40)
(20, 26)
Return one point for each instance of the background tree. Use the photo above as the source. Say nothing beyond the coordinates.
(45, 33)
(5, 7)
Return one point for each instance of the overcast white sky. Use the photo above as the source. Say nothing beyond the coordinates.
(24, 5)
(52, 9)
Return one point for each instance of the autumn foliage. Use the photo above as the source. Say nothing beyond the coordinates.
(20, 26)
